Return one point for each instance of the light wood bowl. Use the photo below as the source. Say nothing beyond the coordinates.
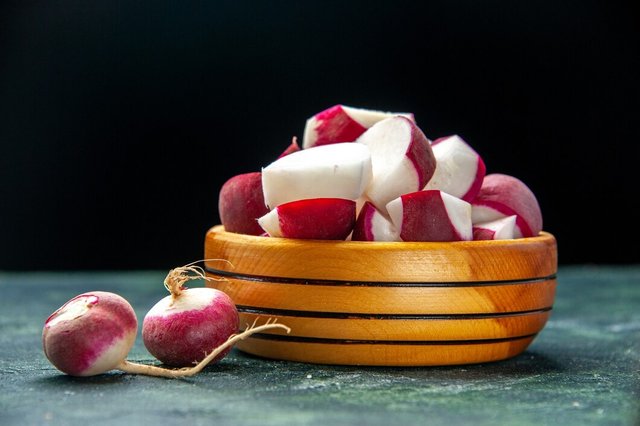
(392, 304)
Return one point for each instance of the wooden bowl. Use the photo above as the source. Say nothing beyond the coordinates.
(392, 304)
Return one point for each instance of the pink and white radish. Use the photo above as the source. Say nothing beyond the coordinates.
(316, 218)
(459, 169)
(431, 216)
(241, 203)
(503, 195)
(372, 225)
(93, 332)
(499, 229)
(341, 124)
(181, 329)
(401, 157)
(330, 171)
(90, 334)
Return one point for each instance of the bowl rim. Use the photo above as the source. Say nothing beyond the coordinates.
(492, 260)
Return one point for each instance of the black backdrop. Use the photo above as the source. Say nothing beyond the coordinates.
(120, 120)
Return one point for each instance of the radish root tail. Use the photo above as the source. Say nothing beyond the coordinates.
(152, 370)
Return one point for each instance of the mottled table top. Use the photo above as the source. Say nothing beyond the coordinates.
(583, 369)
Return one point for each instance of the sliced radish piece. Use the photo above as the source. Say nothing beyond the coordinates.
(331, 171)
(318, 218)
(503, 195)
(459, 169)
(241, 203)
(431, 215)
(401, 157)
(372, 225)
(499, 229)
(341, 124)
(293, 147)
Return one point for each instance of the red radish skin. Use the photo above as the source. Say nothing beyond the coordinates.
(459, 168)
(181, 330)
(317, 218)
(503, 195)
(90, 334)
(241, 203)
(431, 216)
(402, 159)
(372, 225)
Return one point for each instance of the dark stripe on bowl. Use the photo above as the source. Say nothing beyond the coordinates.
(351, 283)
(299, 339)
(344, 315)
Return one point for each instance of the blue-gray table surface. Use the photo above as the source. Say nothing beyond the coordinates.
(582, 369)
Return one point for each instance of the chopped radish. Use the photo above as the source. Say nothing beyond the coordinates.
(503, 195)
(499, 229)
(431, 216)
(182, 328)
(341, 124)
(330, 171)
(241, 203)
(401, 157)
(372, 225)
(90, 334)
(293, 147)
(459, 169)
(318, 218)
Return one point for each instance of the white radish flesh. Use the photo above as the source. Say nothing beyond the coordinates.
(372, 225)
(459, 169)
(499, 229)
(431, 216)
(329, 171)
(402, 160)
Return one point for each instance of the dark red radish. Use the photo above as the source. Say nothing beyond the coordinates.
(330, 171)
(317, 218)
(499, 229)
(341, 123)
(181, 329)
(90, 334)
(401, 157)
(459, 169)
(371, 225)
(503, 195)
(241, 203)
(431, 216)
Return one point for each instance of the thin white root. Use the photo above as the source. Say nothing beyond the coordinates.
(152, 370)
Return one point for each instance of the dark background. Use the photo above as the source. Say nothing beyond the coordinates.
(120, 120)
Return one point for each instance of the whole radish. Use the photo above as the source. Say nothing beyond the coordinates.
(90, 334)
(182, 328)
(93, 333)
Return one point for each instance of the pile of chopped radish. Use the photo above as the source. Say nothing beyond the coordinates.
(374, 176)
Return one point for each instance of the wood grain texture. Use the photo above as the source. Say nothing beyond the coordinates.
(387, 303)
(383, 261)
